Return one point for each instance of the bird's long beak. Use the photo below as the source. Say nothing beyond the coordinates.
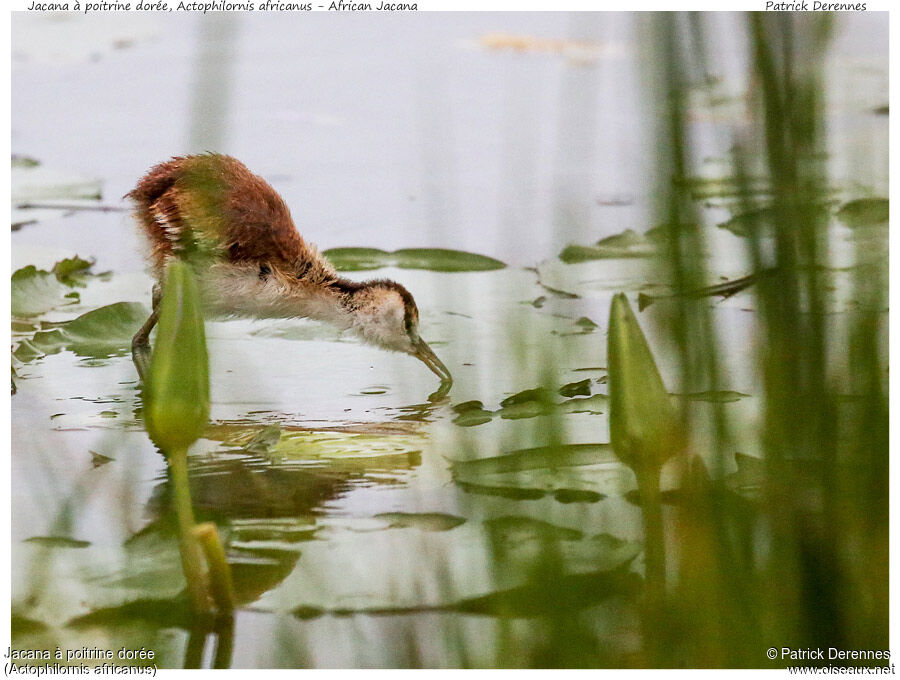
(429, 358)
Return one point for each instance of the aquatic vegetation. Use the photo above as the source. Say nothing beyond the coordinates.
(433, 259)
(665, 446)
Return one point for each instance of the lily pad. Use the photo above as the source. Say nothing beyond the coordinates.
(433, 259)
(563, 595)
(864, 212)
(100, 333)
(750, 222)
(34, 291)
(582, 388)
(514, 529)
(58, 542)
(504, 470)
(627, 244)
(715, 396)
(291, 444)
(37, 182)
(425, 521)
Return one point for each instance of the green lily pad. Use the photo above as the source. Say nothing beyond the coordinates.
(473, 417)
(864, 212)
(571, 473)
(582, 388)
(627, 244)
(72, 271)
(433, 259)
(562, 595)
(100, 333)
(715, 396)
(58, 542)
(424, 521)
(750, 222)
(514, 529)
(34, 291)
(301, 444)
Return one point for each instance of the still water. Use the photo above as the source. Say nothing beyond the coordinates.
(354, 542)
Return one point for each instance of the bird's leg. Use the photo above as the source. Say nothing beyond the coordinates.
(140, 344)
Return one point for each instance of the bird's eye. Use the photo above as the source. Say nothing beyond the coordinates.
(264, 271)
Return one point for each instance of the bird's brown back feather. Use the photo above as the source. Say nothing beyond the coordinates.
(216, 198)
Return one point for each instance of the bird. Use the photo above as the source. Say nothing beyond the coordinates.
(250, 260)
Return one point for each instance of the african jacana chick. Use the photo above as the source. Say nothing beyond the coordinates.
(237, 234)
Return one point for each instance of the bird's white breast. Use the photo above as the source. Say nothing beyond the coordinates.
(240, 291)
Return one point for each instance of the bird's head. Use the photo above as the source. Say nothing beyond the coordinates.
(385, 314)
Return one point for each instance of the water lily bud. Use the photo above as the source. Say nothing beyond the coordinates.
(176, 388)
(643, 424)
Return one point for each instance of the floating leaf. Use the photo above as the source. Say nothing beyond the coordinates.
(715, 396)
(473, 417)
(562, 595)
(581, 388)
(58, 542)
(627, 244)
(515, 529)
(533, 459)
(72, 271)
(750, 222)
(865, 212)
(538, 394)
(34, 292)
(425, 521)
(100, 333)
(433, 259)
(36, 182)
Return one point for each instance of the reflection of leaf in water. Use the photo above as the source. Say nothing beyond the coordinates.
(425, 521)
(599, 403)
(864, 212)
(627, 244)
(100, 333)
(433, 259)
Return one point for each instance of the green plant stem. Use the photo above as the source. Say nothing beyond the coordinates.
(220, 585)
(191, 557)
(654, 539)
